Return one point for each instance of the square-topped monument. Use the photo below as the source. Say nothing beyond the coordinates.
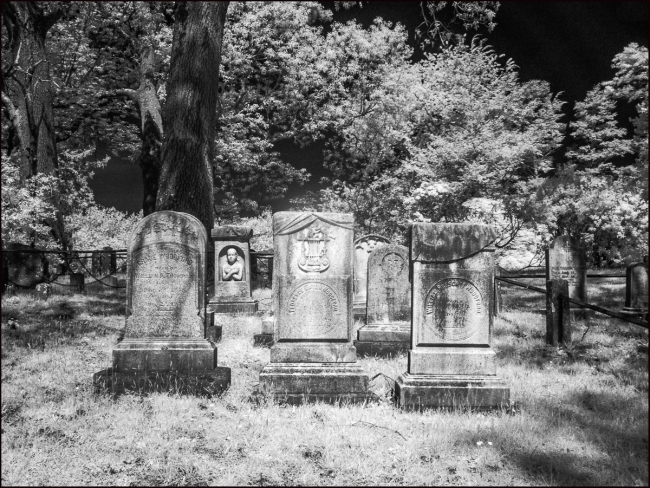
(232, 271)
(313, 357)
(164, 345)
(451, 363)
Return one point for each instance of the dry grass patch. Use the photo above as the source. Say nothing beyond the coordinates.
(580, 414)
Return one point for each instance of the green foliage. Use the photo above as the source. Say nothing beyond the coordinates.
(97, 227)
(601, 197)
(453, 138)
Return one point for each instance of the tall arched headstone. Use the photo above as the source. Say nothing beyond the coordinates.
(363, 248)
(451, 362)
(388, 316)
(164, 345)
(313, 358)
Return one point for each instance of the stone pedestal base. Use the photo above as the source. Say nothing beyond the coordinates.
(263, 339)
(469, 361)
(418, 391)
(313, 352)
(196, 382)
(383, 339)
(297, 383)
(240, 307)
(164, 354)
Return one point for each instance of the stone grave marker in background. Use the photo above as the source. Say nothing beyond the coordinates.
(451, 363)
(164, 345)
(313, 358)
(566, 260)
(104, 262)
(232, 271)
(363, 248)
(636, 289)
(388, 316)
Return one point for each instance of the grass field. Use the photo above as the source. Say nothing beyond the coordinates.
(580, 414)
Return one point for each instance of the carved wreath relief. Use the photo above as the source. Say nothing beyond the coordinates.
(453, 309)
(313, 250)
(392, 264)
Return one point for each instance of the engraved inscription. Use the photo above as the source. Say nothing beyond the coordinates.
(164, 291)
(453, 309)
(313, 308)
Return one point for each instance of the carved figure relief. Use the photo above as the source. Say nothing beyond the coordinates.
(232, 265)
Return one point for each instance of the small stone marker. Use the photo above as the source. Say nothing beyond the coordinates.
(313, 358)
(636, 289)
(164, 345)
(388, 315)
(43, 291)
(77, 283)
(566, 260)
(104, 262)
(232, 272)
(451, 363)
(363, 248)
(266, 337)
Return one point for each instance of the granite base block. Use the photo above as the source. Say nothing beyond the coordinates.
(313, 352)
(164, 354)
(415, 392)
(381, 348)
(385, 333)
(297, 383)
(248, 307)
(264, 340)
(452, 361)
(197, 382)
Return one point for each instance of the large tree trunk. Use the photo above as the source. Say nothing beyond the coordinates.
(29, 87)
(190, 115)
(28, 95)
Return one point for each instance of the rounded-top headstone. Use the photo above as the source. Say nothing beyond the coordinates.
(389, 290)
(166, 276)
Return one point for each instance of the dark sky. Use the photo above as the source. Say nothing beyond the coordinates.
(568, 44)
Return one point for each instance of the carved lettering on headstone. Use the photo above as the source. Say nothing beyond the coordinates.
(453, 309)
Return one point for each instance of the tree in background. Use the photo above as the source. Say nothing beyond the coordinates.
(601, 195)
(456, 137)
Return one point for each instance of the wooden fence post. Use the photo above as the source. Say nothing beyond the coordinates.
(558, 313)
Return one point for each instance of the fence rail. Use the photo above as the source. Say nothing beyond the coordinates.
(578, 302)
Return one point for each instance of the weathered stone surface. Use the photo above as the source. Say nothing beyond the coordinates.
(421, 391)
(566, 260)
(636, 289)
(24, 266)
(165, 322)
(363, 248)
(312, 382)
(388, 315)
(312, 294)
(452, 286)
(232, 271)
(266, 337)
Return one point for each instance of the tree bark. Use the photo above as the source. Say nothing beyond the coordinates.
(29, 86)
(190, 114)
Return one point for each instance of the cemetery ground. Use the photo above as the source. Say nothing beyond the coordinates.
(579, 417)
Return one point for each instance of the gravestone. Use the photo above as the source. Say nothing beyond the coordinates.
(25, 266)
(313, 358)
(164, 346)
(363, 248)
(566, 260)
(43, 291)
(77, 283)
(636, 289)
(388, 316)
(451, 363)
(232, 272)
